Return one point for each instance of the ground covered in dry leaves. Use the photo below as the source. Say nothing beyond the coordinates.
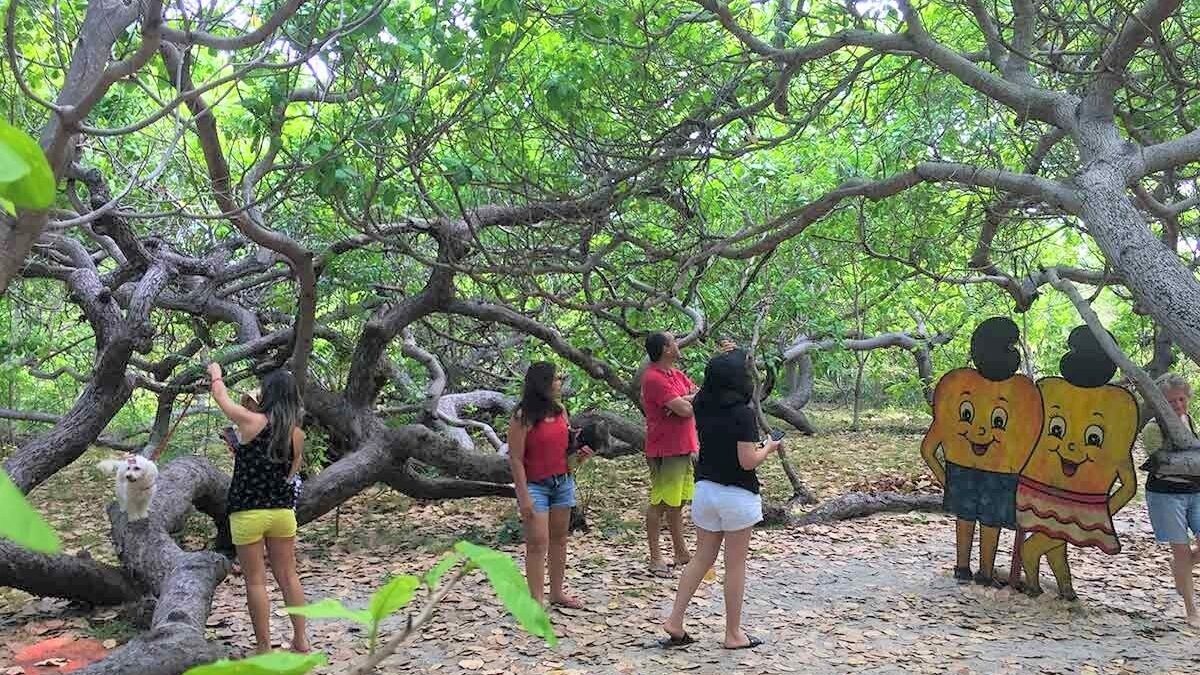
(873, 595)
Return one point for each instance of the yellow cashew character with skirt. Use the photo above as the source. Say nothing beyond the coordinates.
(1065, 492)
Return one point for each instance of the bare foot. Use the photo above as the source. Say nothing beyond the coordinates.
(263, 649)
(567, 601)
(660, 569)
(301, 646)
(681, 561)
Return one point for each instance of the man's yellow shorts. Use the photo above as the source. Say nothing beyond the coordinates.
(249, 527)
(672, 481)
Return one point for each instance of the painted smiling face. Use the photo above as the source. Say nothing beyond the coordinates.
(1088, 433)
(986, 424)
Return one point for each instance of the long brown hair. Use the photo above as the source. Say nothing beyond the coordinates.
(537, 395)
(282, 405)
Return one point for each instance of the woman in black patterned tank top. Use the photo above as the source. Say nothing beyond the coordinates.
(262, 498)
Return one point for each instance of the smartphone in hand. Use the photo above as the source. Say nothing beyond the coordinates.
(230, 437)
(777, 435)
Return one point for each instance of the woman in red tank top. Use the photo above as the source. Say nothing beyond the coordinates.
(538, 436)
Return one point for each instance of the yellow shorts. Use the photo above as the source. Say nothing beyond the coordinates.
(249, 527)
(671, 480)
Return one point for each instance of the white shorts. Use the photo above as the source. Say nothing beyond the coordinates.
(724, 508)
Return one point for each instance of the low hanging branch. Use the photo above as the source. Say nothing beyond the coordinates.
(1186, 462)
(451, 407)
(74, 577)
(799, 376)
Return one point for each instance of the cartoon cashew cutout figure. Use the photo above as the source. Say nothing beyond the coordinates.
(1086, 447)
(986, 420)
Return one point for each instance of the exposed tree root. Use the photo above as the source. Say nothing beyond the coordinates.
(849, 506)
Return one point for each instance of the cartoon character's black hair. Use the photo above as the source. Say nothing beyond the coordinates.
(994, 348)
(1086, 364)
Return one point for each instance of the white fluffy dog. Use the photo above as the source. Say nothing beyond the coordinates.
(136, 476)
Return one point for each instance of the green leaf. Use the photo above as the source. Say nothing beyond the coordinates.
(448, 55)
(33, 185)
(275, 663)
(396, 594)
(331, 608)
(12, 165)
(614, 21)
(434, 576)
(21, 523)
(511, 588)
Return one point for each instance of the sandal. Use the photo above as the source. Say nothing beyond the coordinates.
(673, 641)
(751, 644)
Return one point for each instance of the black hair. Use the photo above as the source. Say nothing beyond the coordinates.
(1086, 364)
(727, 381)
(655, 344)
(282, 405)
(537, 395)
(994, 348)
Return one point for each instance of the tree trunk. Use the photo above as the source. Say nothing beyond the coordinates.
(858, 382)
(799, 376)
(1155, 276)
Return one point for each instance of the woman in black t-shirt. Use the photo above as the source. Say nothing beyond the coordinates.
(262, 498)
(726, 505)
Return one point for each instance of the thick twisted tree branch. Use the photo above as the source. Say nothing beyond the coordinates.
(117, 338)
(74, 577)
(591, 364)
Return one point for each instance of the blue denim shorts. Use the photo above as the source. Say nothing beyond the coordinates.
(554, 492)
(1172, 515)
(984, 496)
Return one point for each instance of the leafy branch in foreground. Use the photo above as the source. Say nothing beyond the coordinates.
(21, 524)
(499, 568)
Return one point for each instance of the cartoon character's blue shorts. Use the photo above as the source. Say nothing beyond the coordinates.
(987, 497)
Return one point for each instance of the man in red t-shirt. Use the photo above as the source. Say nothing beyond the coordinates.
(671, 444)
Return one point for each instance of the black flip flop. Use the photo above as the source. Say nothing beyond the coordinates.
(753, 642)
(671, 641)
